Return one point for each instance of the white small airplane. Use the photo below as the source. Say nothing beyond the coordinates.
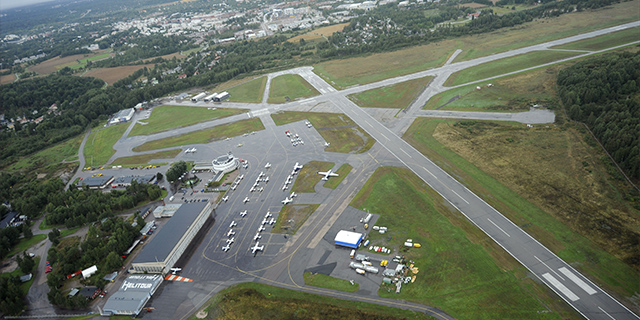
(246, 200)
(261, 174)
(264, 221)
(267, 166)
(287, 201)
(261, 189)
(261, 228)
(226, 248)
(243, 213)
(272, 221)
(256, 248)
(294, 172)
(232, 224)
(328, 174)
(326, 144)
(266, 180)
(225, 198)
(230, 233)
(257, 237)
(233, 187)
(268, 215)
(297, 166)
(293, 195)
(240, 177)
(284, 187)
(175, 270)
(309, 125)
(230, 241)
(252, 189)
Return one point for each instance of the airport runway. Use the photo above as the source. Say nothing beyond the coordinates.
(212, 269)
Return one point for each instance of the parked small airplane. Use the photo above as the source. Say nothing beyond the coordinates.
(264, 221)
(297, 166)
(232, 224)
(240, 177)
(267, 166)
(230, 233)
(287, 201)
(230, 241)
(293, 195)
(243, 213)
(266, 180)
(225, 198)
(175, 270)
(287, 133)
(261, 228)
(268, 215)
(326, 144)
(272, 221)
(257, 237)
(261, 174)
(246, 200)
(284, 187)
(328, 174)
(256, 248)
(226, 248)
(233, 187)
(309, 125)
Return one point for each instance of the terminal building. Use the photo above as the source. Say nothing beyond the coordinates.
(225, 163)
(134, 293)
(126, 180)
(96, 182)
(163, 251)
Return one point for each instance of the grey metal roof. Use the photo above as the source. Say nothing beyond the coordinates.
(167, 238)
(140, 179)
(133, 294)
(95, 181)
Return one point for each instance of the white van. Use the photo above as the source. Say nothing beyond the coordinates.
(353, 253)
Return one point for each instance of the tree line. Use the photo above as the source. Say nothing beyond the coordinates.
(603, 92)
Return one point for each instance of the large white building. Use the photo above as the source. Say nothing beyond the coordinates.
(122, 116)
(164, 250)
(225, 163)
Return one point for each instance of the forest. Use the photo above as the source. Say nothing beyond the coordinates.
(604, 93)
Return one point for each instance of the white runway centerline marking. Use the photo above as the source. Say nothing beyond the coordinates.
(577, 281)
(606, 313)
(554, 282)
(406, 153)
(465, 201)
(493, 223)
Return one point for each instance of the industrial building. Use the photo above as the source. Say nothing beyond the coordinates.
(134, 293)
(221, 97)
(210, 97)
(162, 252)
(122, 116)
(96, 182)
(198, 96)
(126, 180)
(166, 211)
(348, 239)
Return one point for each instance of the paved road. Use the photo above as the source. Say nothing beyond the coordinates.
(80, 158)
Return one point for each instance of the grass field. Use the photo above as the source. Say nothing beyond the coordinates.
(338, 129)
(111, 75)
(81, 63)
(319, 33)
(249, 301)
(512, 93)
(348, 72)
(25, 244)
(57, 63)
(204, 136)
(7, 78)
(168, 117)
(49, 160)
(543, 179)
(292, 217)
(342, 172)
(99, 147)
(250, 91)
(502, 66)
(398, 96)
(605, 41)
(308, 176)
(292, 86)
(144, 159)
(328, 282)
(461, 270)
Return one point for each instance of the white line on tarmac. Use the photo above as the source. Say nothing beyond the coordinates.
(554, 282)
(493, 223)
(406, 153)
(606, 313)
(561, 278)
(577, 281)
(465, 201)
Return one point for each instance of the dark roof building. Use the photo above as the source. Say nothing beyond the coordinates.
(161, 253)
(126, 180)
(96, 182)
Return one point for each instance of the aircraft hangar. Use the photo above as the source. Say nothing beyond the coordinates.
(162, 252)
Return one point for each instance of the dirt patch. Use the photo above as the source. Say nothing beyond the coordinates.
(111, 75)
(319, 33)
(54, 64)
(7, 79)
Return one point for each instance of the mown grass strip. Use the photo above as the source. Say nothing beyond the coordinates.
(99, 147)
(342, 172)
(308, 176)
(205, 136)
(291, 86)
(168, 117)
(250, 91)
(398, 96)
(329, 282)
(292, 217)
(604, 41)
(144, 159)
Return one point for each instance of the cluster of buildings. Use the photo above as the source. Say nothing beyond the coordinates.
(11, 123)
(101, 182)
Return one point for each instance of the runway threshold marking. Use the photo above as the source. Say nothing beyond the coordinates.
(554, 282)
(606, 313)
(172, 277)
(493, 223)
(577, 281)
(561, 278)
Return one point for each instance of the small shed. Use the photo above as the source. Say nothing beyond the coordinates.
(111, 277)
(348, 239)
